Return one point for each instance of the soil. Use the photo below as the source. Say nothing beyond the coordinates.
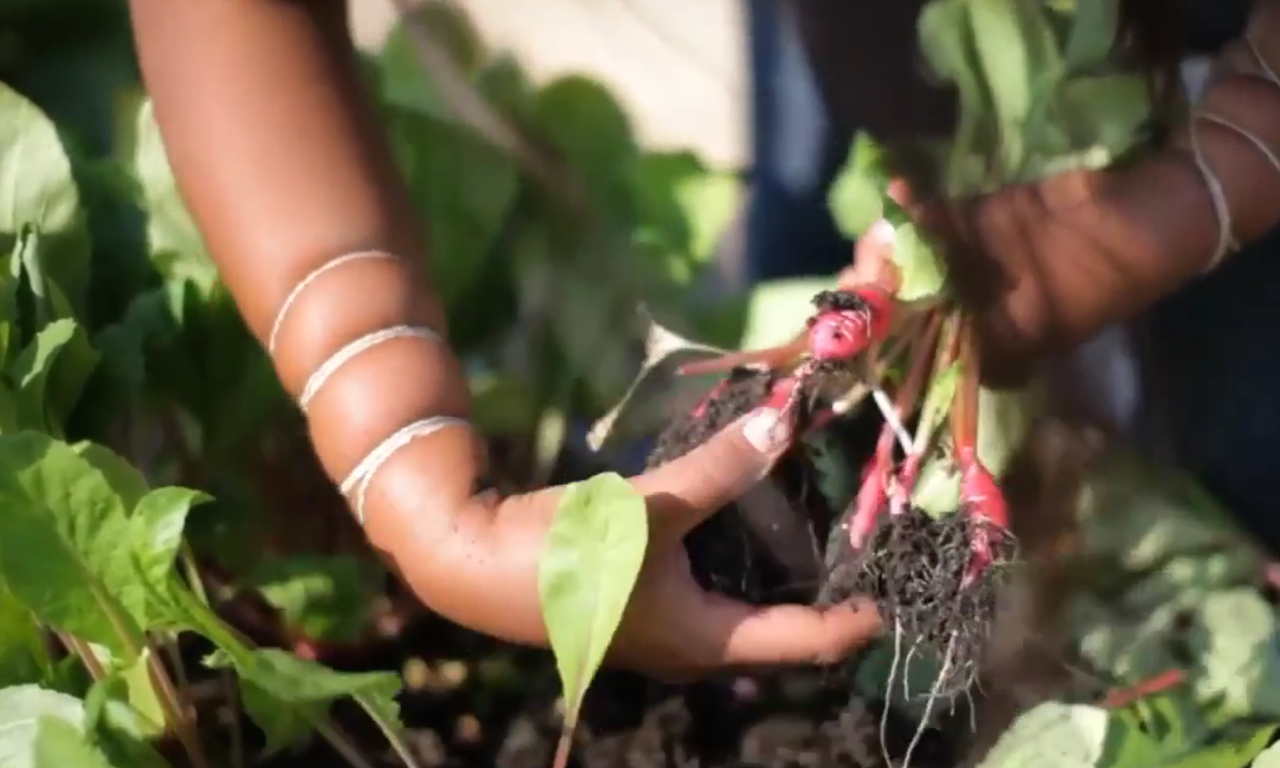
(726, 553)
(478, 702)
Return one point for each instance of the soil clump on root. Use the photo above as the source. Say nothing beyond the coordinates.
(914, 567)
(726, 554)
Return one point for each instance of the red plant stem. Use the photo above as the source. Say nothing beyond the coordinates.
(1161, 683)
(964, 414)
(772, 358)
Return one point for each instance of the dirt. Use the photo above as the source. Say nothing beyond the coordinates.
(502, 714)
(726, 553)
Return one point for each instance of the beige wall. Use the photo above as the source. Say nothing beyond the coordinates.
(677, 65)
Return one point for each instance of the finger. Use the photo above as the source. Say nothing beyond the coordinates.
(717, 472)
(735, 633)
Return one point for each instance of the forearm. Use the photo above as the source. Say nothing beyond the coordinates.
(1088, 249)
(280, 159)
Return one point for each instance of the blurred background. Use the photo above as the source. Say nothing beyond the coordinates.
(679, 69)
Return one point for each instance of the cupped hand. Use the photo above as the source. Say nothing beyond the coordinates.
(479, 566)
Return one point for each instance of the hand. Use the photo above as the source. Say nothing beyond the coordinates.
(1009, 326)
(480, 569)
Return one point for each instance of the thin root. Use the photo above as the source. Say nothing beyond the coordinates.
(934, 695)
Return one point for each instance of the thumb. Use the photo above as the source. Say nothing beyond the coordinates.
(720, 470)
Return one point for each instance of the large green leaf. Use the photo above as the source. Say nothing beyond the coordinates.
(64, 543)
(1270, 758)
(464, 189)
(405, 82)
(1006, 67)
(170, 228)
(583, 120)
(1056, 735)
(37, 188)
(590, 565)
(1093, 33)
(40, 728)
(1237, 641)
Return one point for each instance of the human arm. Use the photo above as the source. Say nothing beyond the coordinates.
(280, 158)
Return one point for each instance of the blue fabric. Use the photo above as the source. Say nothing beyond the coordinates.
(796, 154)
(1219, 372)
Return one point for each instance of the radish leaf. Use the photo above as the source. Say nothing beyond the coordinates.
(594, 553)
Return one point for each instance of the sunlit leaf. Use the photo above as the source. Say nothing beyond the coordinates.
(594, 552)
(37, 189)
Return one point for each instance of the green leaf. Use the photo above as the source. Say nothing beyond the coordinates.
(282, 691)
(31, 372)
(937, 490)
(156, 529)
(1093, 33)
(1056, 735)
(856, 198)
(62, 537)
(1004, 421)
(583, 120)
(1235, 638)
(1007, 69)
(937, 402)
(170, 228)
(38, 189)
(26, 711)
(125, 479)
(947, 40)
(406, 83)
(24, 657)
(327, 598)
(779, 310)
(1270, 758)
(595, 549)
(276, 682)
(710, 202)
(466, 189)
(59, 744)
(1237, 749)
(1108, 114)
(924, 275)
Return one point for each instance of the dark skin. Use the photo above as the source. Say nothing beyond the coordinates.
(280, 159)
(1045, 266)
(282, 163)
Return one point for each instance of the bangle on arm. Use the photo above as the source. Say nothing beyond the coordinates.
(1227, 241)
(359, 478)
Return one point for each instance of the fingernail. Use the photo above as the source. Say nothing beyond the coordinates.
(767, 431)
(882, 233)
